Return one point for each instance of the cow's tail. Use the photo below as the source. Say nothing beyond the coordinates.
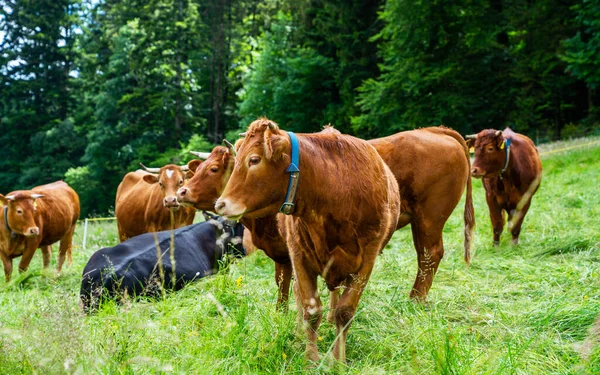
(469, 216)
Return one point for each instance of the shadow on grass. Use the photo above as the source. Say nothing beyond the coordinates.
(565, 246)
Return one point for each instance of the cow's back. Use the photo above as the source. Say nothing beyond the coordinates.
(58, 211)
(428, 163)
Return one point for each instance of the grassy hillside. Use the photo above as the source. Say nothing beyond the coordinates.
(523, 309)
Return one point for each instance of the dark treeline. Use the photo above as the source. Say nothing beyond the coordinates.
(91, 88)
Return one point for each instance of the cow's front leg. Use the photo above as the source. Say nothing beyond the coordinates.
(305, 291)
(7, 266)
(283, 276)
(26, 258)
(496, 217)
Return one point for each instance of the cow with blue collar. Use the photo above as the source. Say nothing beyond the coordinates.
(142, 265)
(511, 170)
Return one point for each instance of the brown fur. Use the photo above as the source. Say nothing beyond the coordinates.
(54, 215)
(432, 167)
(343, 215)
(140, 202)
(511, 192)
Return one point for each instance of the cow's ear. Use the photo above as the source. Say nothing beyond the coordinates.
(193, 165)
(150, 178)
(470, 143)
(3, 201)
(275, 144)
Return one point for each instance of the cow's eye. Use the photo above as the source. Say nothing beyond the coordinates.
(19, 212)
(491, 149)
(160, 183)
(180, 181)
(214, 169)
(254, 160)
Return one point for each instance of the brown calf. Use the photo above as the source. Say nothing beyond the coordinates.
(146, 200)
(37, 218)
(511, 170)
(345, 210)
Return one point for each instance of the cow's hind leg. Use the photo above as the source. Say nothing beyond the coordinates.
(430, 250)
(65, 249)
(283, 276)
(46, 255)
(517, 222)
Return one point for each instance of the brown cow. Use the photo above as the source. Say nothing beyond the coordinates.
(206, 186)
(37, 218)
(146, 201)
(420, 160)
(511, 170)
(431, 166)
(346, 209)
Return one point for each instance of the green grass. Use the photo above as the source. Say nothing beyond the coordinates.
(515, 310)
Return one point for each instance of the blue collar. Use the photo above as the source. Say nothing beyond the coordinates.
(507, 158)
(6, 219)
(288, 205)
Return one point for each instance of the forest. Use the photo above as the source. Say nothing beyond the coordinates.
(91, 88)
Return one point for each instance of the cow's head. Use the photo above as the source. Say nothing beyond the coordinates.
(209, 179)
(170, 178)
(259, 180)
(490, 153)
(21, 212)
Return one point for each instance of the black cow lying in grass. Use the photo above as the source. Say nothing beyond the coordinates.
(132, 267)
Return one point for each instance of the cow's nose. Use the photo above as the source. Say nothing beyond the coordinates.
(182, 192)
(476, 172)
(171, 201)
(220, 206)
(33, 231)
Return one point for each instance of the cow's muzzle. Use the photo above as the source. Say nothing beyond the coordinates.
(171, 203)
(32, 231)
(230, 210)
(477, 173)
(184, 196)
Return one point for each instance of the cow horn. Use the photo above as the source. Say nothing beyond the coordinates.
(10, 197)
(471, 136)
(498, 133)
(272, 125)
(36, 196)
(201, 155)
(230, 147)
(184, 168)
(242, 134)
(150, 170)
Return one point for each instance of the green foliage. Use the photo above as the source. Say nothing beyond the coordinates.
(285, 80)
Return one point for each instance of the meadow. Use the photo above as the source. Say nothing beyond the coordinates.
(522, 309)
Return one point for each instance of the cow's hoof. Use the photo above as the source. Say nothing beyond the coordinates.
(515, 241)
(496, 243)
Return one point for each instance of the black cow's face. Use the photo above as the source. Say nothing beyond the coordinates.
(490, 153)
(230, 234)
(21, 212)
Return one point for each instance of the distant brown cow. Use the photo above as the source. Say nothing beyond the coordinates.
(345, 210)
(146, 200)
(205, 187)
(511, 170)
(37, 218)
